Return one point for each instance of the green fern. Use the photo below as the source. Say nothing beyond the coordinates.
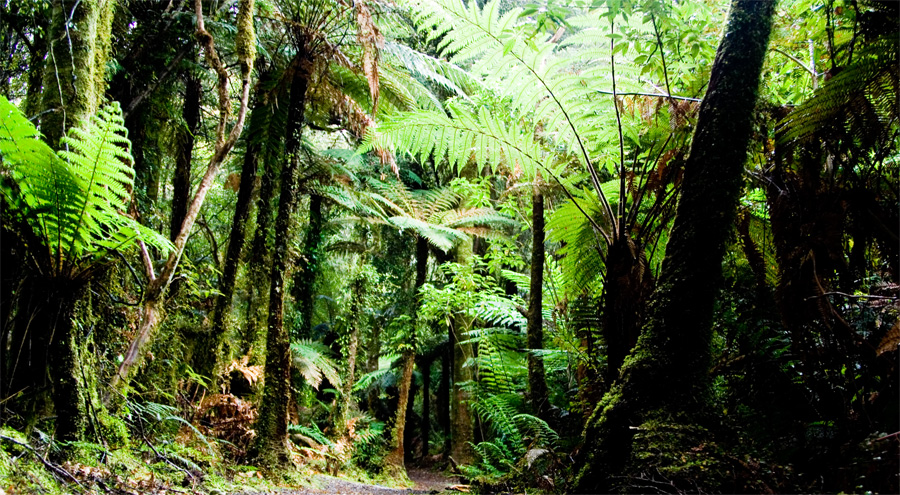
(862, 98)
(312, 360)
(73, 201)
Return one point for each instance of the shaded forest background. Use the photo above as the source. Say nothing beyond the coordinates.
(630, 246)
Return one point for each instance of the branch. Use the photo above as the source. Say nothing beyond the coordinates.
(797, 61)
(45, 462)
(672, 97)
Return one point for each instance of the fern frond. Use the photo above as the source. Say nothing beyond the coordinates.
(864, 96)
(312, 360)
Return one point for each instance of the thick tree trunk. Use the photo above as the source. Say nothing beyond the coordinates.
(70, 400)
(395, 459)
(657, 407)
(537, 383)
(270, 448)
(75, 72)
(181, 181)
(260, 252)
(35, 74)
(308, 266)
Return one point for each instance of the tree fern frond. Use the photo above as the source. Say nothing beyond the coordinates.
(863, 93)
(312, 360)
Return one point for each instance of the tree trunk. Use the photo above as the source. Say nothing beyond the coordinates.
(628, 285)
(212, 348)
(70, 399)
(260, 252)
(462, 421)
(270, 448)
(443, 396)
(537, 383)
(181, 181)
(352, 348)
(75, 74)
(425, 369)
(395, 459)
(308, 266)
(397, 455)
(663, 391)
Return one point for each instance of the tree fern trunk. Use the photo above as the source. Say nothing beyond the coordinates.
(537, 383)
(462, 421)
(651, 423)
(270, 448)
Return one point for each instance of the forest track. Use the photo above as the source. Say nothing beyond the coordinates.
(426, 483)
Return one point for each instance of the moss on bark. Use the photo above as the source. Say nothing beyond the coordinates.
(665, 379)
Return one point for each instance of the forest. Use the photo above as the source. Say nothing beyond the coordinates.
(525, 246)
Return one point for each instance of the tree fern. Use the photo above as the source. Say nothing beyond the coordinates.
(864, 97)
(312, 360)
(73, 200)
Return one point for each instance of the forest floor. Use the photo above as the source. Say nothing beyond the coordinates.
(425, 482)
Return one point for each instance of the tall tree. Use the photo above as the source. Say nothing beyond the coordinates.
(151, 313)
(537, 383)
(663, 392)
(270, 447)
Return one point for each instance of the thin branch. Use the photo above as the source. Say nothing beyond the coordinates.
(619, 233)
(657, 95)
(799, 62)
(45, 462)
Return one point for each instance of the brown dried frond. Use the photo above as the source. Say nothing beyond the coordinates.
(229, 418)
(252, 373)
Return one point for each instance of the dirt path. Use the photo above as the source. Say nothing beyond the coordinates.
(426, 483)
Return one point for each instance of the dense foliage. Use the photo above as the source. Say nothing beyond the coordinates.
(563, 246)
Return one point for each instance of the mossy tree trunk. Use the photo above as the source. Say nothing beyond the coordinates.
(355, 320)
(462, 421)
(308, 266)
(75, 71)
(408, 362)
(260, 253)
(537, 382)
(236, 240)
(651, 422)
(270, 448)
(181, 180)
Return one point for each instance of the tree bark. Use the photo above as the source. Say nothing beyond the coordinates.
(75, 74)
(181, 181)
(462, 421)
(308, 266)
(663, 390)
(537, 383)
(260, 252)
(270, 448)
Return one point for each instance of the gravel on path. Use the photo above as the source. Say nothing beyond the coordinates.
(426, 483)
